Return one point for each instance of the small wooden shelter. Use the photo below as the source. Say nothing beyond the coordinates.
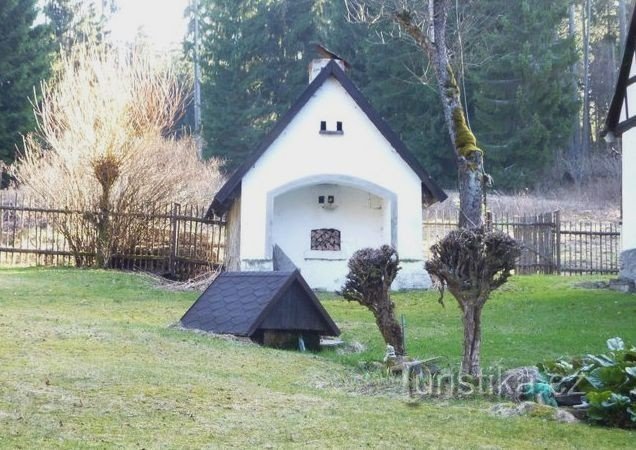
(272, 308)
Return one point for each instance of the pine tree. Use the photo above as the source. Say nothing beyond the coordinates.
(253, 58)
(523, 98)
(390, 72)
(395, 84)
(73, 21)
(24, 61)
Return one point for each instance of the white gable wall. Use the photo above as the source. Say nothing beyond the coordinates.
(628, 229)
(301, 152)
(628, 235)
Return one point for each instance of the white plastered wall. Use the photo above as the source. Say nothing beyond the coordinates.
(362, 218)
(628, 234)
(360, 154)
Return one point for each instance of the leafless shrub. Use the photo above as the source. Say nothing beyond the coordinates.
(103, 145)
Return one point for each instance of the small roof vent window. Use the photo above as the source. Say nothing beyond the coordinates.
(325, 130)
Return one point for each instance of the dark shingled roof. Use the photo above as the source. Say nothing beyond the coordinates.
(232, 188)
(239, 303)
(612, 122)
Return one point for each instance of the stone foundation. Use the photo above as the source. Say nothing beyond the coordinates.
(628, 265)
(622, 285)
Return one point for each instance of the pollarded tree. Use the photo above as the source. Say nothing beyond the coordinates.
(371, 272)
(471, 263)
(426, 25)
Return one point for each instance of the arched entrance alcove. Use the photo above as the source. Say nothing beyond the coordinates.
(320, 221)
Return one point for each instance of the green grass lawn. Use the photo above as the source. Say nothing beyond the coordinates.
(526, 321)
(87, 359)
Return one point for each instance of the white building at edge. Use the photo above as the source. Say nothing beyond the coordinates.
(621, 122)
(329, 179)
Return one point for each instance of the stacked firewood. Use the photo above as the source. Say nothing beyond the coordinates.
(325, 239)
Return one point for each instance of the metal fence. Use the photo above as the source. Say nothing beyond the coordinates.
(174, 240)
(589, 248)
(549, 245)
(177, 240)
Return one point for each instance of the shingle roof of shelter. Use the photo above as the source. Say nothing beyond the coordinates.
(238, 302)
(232, 188)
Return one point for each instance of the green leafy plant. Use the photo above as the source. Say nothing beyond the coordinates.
(608, 381)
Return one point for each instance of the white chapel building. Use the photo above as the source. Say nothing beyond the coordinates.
(329, 179)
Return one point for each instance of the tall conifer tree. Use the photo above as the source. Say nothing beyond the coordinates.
(523, 98)
(252, 58)
(520, 100)
(73, 21)
(24, 61)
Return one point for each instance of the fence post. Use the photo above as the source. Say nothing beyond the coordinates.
(174, 238)
(557, 233)
(488, 220)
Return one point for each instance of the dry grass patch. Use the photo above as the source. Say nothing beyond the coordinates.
(586, 204)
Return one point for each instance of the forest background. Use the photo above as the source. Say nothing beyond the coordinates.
(538, 76)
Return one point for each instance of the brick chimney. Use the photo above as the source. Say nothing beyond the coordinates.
(317, 65)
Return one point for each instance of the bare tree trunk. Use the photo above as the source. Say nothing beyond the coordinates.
(388, 325)
(575, 143)
(622, 20)
(102, 225)
(469, 157)
(233, 237)
(585, 138)
(471, 192)
(471, 319)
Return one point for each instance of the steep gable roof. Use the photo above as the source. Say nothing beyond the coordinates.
(612, 122)
(232, 188)
(239, 302)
